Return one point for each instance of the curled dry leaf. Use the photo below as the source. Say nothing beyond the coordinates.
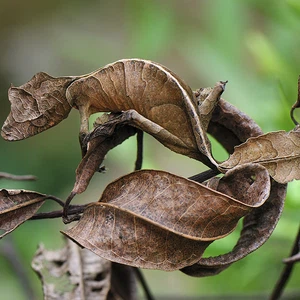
(157, 220)
(248, 181)
(278, 151)
(113, 131)
(230, 126)
(17, 206)
(259, 224)
(104, 137)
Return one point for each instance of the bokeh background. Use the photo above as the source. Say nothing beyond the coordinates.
(254, 44)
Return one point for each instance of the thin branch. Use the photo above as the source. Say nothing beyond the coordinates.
(4, 175)
(138, 166)
(66, 213)
(144, 284)
(292, 259)
(56, 199)
(9, 251)
(201, 177)
(296, 105)
(285, 274)
(72, 210)
(139, 156)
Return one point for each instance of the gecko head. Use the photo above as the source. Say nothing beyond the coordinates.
(36, 106)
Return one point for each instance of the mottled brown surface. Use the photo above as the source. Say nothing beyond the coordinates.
(36, 106)
(154, 219)
(278, 151)
(260, 223)
(16, 207)
(163, 105)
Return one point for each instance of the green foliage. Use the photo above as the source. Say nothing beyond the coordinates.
(253, 44)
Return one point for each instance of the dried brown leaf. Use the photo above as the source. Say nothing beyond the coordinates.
(248, 181)
(17, 206)
(278, 151)
(122, 237)
(258, 226)
(154, 219)
(104, 137)
(230, 127)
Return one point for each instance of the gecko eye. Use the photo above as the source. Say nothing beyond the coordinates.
(40, 122)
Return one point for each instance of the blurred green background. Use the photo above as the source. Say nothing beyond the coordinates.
(253, 44)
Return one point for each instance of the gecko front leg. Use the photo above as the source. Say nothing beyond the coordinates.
(83, 132)
(84, 127)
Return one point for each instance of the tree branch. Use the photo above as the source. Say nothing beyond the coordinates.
(285, 275)
(201, 177)
(4, 175)
(72, 210)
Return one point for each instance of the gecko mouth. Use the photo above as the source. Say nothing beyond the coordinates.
(13, 130)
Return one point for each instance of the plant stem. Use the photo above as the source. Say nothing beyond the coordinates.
(72, 210)
(143, 282)
(201, 177)
(16, 177)
(286, 272)
(139, 157)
